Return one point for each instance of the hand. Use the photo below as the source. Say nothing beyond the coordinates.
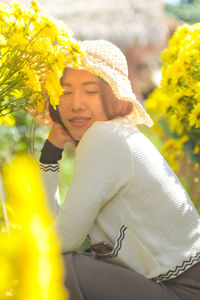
(58, 136)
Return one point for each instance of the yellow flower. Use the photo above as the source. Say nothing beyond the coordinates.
(2, 40)
(32, 80)
(42, 46)
(194, 117)
(173, 150)
(17, 93)
(19, 26)
(35, 6)
(180, 34)
(53, 87)
(60, 59)
(18, 40)
(171, 153)
(8, 270)
(33, 257)
(176, 125)
(196, 92)
(17, 8)
(177, 102)
(40, 105)
(158, 100)
(28, 178)
(169, 55)
(51, 28)
(7, 119)
(34, 44)
(196, 149)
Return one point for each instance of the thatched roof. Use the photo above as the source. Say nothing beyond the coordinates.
(123, 22)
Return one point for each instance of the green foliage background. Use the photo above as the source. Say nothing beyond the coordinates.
(19, 138)
(189, 12)
(14, 139)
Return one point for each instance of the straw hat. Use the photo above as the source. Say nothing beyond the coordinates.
(105, 60)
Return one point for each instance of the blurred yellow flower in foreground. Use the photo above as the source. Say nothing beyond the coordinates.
(7, 119)
(31, 266)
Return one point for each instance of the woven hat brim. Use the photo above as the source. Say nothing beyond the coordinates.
(117, 80)
(120, 85)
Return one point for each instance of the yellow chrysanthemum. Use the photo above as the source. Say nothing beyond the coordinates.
(196, 149)
(182, 32)
(32, 259)
(42, 46)
(6, 119)
(194, 117)
(176, 125)
(40, 105)
(37, 46)
(17, 8)
(3, 41)
(35, 6)
(176, 105)
(169, 55)
(18, 40)
(53, 87)
(60, 59)
(17, 94)
(32, 79)
(157, 101)
(173, 150)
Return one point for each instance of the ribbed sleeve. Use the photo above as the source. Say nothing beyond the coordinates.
(50, 175)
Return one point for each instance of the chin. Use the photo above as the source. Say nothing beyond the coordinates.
(77, 136)
(77, 133)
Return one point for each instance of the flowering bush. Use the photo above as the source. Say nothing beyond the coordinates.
(178, 98)
(29, 253)
(34, 49)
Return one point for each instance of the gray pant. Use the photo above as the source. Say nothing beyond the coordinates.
(88, 278)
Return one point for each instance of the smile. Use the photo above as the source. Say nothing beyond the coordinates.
(75, 122)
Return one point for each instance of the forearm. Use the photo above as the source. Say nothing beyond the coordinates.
(50, 155)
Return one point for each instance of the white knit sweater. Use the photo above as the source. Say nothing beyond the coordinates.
(123, 192)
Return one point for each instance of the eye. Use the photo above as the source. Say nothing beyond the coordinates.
(92, 92)
(67, 93)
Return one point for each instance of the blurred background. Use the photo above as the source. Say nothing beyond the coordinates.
(141, 29)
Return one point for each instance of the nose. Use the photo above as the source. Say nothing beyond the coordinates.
(78, 102)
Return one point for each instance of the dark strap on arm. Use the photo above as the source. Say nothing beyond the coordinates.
(50, 154)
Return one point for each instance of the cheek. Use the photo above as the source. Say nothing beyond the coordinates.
(63, 107)
(96, 106)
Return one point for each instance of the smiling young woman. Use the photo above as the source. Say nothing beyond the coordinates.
(144, 229)
(80, 105)
(85, 100)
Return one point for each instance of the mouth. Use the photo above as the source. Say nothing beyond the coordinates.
(79, 122)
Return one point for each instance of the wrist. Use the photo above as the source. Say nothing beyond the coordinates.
(50, 154)
(56, 144)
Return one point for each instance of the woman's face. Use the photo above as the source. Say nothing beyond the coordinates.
(80, 105)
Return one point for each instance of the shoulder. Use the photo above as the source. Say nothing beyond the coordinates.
(112, 133)
(107, 131)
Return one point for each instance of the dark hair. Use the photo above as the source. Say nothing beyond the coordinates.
(55, 115)
(113, 106)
